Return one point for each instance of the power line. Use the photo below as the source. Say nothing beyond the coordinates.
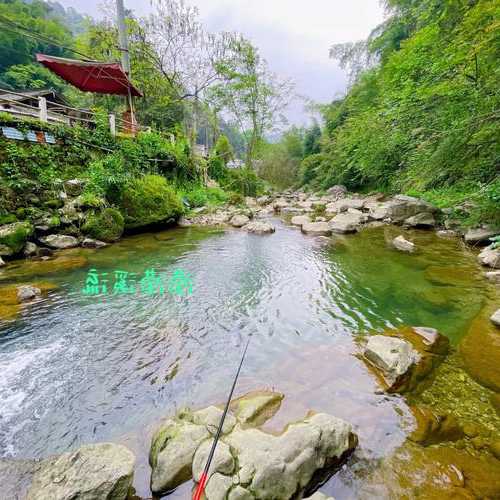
(37, 36)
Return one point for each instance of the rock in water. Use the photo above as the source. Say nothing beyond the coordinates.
(27, 292)
(91, 243)
(393, 356)
(433, 428)
(490, 257)
(249, 463)
(346, 222)
(400, 243)
(239, 220)
(30, 249)
(493, 276)
(480, 235)
(59, 241)
(259, 227)
(402, 358)
(495, 318)
(300, 220)
(101, 471)
(316, 228)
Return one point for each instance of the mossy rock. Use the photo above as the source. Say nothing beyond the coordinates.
(150, 200)
(106, 226)
(7, 219)
(54, 203)
(13, 237)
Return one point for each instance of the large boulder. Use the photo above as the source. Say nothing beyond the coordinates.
(59, 241)
(480, 235)
(107, 225)
(347, 222)
(403, 358)
(249, 463)
(422, 220)
(13, 237)
(259, 227)
(101, 471)
(401, 208)
(490, 257)
(300, 220)
(316, 228)
(239, 220)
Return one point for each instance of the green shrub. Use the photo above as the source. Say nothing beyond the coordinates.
(107, 225)
(242, 180)
(149, 200)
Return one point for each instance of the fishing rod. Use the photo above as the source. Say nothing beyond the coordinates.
(204, 476)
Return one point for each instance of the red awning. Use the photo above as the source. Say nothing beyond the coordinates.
(91, 76)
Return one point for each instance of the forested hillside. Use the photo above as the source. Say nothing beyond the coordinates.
(422, 115)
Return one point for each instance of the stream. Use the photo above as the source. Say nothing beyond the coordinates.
(77, 368)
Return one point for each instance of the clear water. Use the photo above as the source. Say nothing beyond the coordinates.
(77, 369)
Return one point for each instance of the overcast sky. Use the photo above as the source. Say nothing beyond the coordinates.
(293, 35)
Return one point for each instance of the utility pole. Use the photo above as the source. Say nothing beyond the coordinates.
(125, 56)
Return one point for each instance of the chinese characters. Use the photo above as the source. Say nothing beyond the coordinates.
(121, 282)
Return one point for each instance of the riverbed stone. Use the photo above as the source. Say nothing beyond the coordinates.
(402, 244)
(337, 191)
(26, 293)
(404, 365)
(59, 241)
(30, 249)
(495, 318)
(210, 418)
(91, 243)
(256, 407)
(300, 220)
(101, 471)
(259, 227)
(222, 461)
(423, 220)
(13, 237)
(433, 427)
(239, 220)
(480, 350)
(2, 263)
(280, 203)
(402, 207)
(316, 228)
(493, 276)
(346, 222)
(480, 235)
(249, 463)
(490, 257)
(393, 356)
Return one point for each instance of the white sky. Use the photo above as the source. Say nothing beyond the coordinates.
(294, 36)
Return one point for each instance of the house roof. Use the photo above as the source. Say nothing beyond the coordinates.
(23, 95)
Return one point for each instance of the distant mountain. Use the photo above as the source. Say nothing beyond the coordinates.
(69, 16)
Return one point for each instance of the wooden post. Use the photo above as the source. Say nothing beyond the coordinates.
(112, 124)
(42, 106)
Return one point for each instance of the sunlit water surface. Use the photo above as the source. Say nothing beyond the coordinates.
(76, 369)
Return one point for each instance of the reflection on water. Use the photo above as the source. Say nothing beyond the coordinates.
(77, 369)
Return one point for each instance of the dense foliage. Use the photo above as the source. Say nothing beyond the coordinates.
(425, 120)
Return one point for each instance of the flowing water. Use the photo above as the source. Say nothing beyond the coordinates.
(76, 369)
